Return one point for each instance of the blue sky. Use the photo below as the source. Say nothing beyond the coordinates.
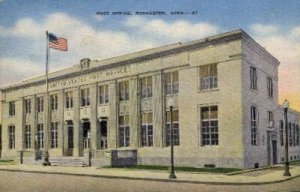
(275, 24)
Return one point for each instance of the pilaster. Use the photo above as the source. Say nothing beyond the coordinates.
(133, 114)
(93, 116)
(158, 101)
(112, 121)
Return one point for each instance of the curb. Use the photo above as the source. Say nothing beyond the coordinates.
(155, 179)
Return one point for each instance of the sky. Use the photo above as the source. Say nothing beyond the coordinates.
(275, 24)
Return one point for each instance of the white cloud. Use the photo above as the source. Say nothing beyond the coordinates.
(296, 31)
(179, 30)
(262, 29)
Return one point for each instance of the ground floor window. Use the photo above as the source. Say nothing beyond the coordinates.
(281, 133)
(40, 138)
(209, 126)
(54, 140)
(254, 123)
(27, 137)
(124, 131)
(147, 129)
(11, 135)
(175, 128)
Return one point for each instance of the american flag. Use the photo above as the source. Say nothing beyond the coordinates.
(57, 42)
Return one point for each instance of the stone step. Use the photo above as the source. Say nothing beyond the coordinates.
(58, 161)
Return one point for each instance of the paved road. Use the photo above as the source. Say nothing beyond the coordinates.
(33, 182)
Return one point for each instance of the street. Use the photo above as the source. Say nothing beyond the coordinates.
(35, 182)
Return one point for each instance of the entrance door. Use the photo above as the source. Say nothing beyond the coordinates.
(86, 134)
(70, 137)
(103, 134)
(274, 147)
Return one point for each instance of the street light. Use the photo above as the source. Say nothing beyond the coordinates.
(36, 146)
(170, 103)
(286, 167)
(89, 148)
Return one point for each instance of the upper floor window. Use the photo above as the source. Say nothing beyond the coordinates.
(69, 99)
(12, 108)
(209, 125)
(253, 78)
(172, 85)
(11, 137)
(146, 87)
(103, 94)
(147, 129)
(85, 97)
(175, 117)
(124, 132)
(270, 116)
(297, 135)
(270, 86)
(124, 90)
(254, 125)
(53, 102)
(40, 104)
(208, 76)
(28, 106)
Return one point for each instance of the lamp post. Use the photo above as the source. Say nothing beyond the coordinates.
(172, 173)
(286, 167)
(36, 145)
(89, 148)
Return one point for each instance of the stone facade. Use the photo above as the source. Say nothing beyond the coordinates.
(214, 103)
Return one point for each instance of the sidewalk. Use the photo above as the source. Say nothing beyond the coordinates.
(265, 176)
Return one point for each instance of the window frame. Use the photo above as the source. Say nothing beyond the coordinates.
(27, 106)
(211, 127)
(270, 87)
(124, 131)
(146, 87)
(12, 108)
(40, 104)
(254, 125)
(54, 135)
(40, 136)
(27, 136)
(85, 97)
(253, 78)
(123, 90)
(146, 129)
(69, 104)
(172, 87)
(176, 128)
(11, 137)
(103, 92)
(53, 102)
(210, 81)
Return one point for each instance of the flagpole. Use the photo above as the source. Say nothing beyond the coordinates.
(46, 133)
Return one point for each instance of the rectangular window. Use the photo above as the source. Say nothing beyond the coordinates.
(53, 102)
(270, 86)
(253, 78)
(28, 106)
(294, 135)
(40, 104)
(103, 94)
(281, 133)
(85, 97)
(208, 76)
(124, 90)
(171, 83)
(146, 129)
(27, 136)
(12, 108)
(254, 125)
(270, 116)
(124, 134)
(40, 138)
(54, 140)
(176, 140)
(11, 136)
(290, 134)
(209, 126)
(146, 87)
(297, 135)
(69, 99)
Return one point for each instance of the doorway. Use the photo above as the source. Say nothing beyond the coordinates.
(274, 151)
(103, 134)
(86, 131)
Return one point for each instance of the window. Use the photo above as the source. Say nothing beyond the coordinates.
(281, 133)
(69, 100)
(85, 97)
(12, 108)
(172, 86)
(209, 126)
(124, 134)
(40, 104)
(53, 101)
(290, 134)
(253, 78)
(254, 125)
(208, 76)
(146, 87)
(270, 86)
(27, 136)
(11, 137)
(175, 128)
(103, 94)
(28, 106)
(297, 135)
(124, 90)
(146, 129)
(40, 138)
(294, 135)
(270, 116)
(54, 137)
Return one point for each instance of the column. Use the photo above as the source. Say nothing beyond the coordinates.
(133, 114)
(113, 116)
(19, 124)
(76, 121)
(93, 116)
(158, 101)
